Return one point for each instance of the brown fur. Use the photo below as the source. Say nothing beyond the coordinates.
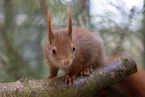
(89, 49)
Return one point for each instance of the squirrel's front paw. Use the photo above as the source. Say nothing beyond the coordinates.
(69, 79)
(87, 70)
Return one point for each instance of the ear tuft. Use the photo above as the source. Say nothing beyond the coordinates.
(50, 32)
(69, 23)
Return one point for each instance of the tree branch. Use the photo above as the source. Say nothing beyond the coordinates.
(83, 86)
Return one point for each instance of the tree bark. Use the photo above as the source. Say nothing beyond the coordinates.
(85, 86)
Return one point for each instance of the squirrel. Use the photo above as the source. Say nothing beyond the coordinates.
(76, 50)
(73, 49)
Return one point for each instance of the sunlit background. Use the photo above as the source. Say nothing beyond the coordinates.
(23, 31)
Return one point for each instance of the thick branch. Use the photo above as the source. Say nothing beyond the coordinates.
(83, 86)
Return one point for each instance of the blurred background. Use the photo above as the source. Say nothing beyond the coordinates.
(23, 31)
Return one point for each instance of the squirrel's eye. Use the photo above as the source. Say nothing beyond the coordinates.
(54, 52)
(73, 49)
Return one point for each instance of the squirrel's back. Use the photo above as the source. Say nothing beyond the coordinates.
(89, 47)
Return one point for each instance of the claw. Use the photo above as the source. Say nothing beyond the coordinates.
(86, 71)
(81, 72)
(74, 77)
(69, 79)
(91, 68)
(69, 82)
(66, 78)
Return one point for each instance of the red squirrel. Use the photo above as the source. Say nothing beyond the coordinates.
(76, 50)
(73, 50)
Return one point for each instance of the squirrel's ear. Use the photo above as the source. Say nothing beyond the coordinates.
(69, 23)
(50, 32)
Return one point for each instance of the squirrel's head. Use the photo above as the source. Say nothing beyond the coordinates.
(60, 46)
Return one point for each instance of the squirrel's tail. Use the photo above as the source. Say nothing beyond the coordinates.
(133, 85)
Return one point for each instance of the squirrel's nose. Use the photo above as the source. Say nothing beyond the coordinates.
(66, 63)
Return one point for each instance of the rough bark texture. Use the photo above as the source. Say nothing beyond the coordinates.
(85, 86)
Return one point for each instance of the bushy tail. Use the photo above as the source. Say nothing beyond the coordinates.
(133, 85)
